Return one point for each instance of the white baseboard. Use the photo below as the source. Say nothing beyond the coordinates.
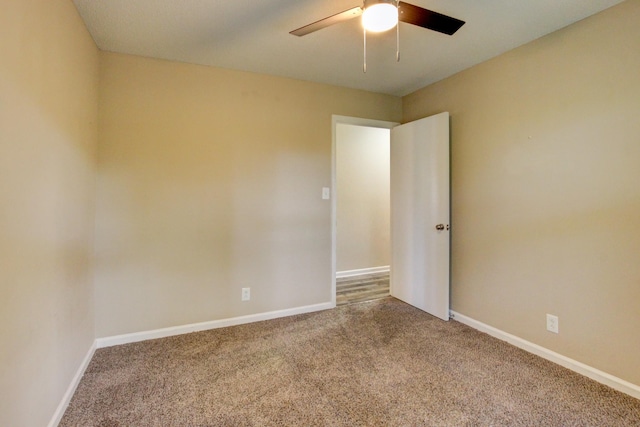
(203, 326)
(579, 367)
(362, 271)
(57, 416)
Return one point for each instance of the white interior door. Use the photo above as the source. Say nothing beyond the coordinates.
(420, 214)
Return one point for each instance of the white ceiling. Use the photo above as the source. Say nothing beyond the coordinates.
(253, 35)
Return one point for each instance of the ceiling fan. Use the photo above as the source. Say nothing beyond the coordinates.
(383, 15)
(377, 12)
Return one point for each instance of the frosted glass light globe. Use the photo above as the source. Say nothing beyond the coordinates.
(380, 17)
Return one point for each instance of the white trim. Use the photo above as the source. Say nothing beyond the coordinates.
(579, 367)
(358, 121)
(362, 271)
(64, 403)
(203, 326)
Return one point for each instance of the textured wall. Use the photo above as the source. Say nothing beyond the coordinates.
(546, 189)
(209, 181)
(362, 177)
(48, 136)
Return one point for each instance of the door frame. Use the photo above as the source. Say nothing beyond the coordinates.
(356, 121)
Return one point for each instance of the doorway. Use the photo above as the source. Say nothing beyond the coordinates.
(360, 209)
(420, 210)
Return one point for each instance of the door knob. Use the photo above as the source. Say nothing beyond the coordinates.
(440, 227)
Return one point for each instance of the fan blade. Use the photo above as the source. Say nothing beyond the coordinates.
(323, 23)
(428, 19)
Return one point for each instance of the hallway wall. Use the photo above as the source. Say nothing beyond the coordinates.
(363, 204)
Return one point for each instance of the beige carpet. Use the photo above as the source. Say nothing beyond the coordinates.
(381, 363)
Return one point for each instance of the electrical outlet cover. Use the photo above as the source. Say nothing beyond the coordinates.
(552, 323)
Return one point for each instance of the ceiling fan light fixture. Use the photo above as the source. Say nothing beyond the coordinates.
(380, 15)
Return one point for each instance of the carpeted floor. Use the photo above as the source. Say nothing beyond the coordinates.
(381, 363)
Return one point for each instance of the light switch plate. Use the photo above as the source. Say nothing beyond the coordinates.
(326, 193)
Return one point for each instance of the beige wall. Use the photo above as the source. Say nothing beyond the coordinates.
(362, 184)
(209, 181)
(48, 135)
(546, 189)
